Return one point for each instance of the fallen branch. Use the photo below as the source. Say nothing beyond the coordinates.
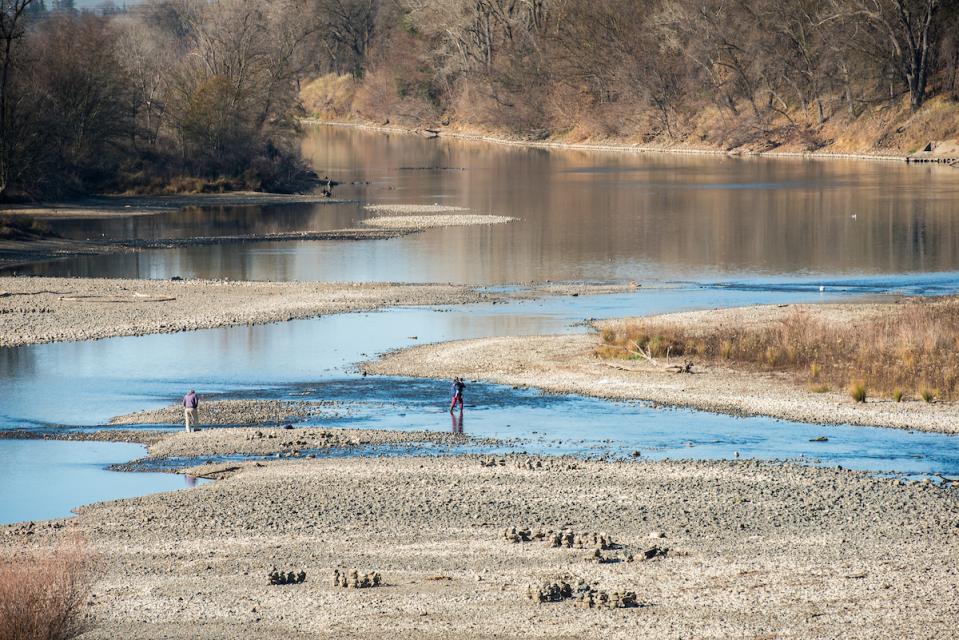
(647, 355)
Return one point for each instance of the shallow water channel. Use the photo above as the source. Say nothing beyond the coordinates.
(698, 233)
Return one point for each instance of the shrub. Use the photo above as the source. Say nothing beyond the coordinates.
(897, 395)
(42, 595)
(857, 391)
(927, 394)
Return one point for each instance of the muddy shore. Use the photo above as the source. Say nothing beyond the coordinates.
(740, 549)
(565, 364)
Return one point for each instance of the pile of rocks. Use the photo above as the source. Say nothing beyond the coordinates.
(654, 552)
(584, 595)
(530, 463)
(353, 580)
(288, 577)
(595, 599)
(564, 538)
(257, 435)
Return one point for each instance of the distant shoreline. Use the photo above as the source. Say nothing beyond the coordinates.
(612, 147)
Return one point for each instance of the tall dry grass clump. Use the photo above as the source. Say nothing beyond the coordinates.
(42, 595)
(912, 347)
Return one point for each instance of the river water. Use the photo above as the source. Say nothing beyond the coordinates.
(697, 232)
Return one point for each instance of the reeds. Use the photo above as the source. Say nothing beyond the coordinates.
(912, 347)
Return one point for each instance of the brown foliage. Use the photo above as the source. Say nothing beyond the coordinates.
(42, 595)
(912, 346)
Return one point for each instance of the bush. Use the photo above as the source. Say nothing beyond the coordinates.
(42, 595)
(857, 391)
(927, 394)
(897, 395)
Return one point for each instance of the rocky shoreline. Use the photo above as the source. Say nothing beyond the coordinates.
(565, 364)
(716, 549)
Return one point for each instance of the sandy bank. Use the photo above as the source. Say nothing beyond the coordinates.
(566, 364)
(123, 206)
(252, 441)
(432, 221)
(34, 310)
(413, 209)
(754, 550)
(234, 412)
(37, 310)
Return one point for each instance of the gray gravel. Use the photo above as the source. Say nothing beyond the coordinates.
(755, 550)
(34, 310)
(237, 412)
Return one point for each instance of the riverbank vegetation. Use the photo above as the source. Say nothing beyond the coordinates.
(843, 75)
(169, 96)
(43, 594)
(907, 352)
(23, 228)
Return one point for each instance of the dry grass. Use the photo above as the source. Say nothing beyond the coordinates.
(329, 96)
(42, 595)
(914, 346)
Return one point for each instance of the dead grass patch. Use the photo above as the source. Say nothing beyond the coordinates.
(914, 346)
(42, 594)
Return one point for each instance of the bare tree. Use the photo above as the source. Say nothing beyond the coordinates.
(909, 27)
(12, 13)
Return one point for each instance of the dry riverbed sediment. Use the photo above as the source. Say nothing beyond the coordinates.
(37, 310)
(566, 364)
(737, 549)
(265, 441)
(433, 221)
(237, 412)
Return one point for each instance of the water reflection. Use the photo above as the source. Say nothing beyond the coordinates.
(456, 420)
(584, 215)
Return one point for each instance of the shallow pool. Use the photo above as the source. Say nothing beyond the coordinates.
(44, 479)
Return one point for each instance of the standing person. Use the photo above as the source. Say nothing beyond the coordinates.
(190, 410)
(457, 391)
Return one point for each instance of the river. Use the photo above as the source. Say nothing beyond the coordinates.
(696, 232)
